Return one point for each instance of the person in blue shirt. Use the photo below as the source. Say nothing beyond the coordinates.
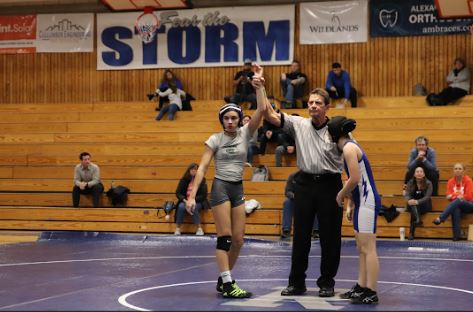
(422, 155)
(339, 85)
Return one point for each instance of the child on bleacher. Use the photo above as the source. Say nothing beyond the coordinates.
(175, 96)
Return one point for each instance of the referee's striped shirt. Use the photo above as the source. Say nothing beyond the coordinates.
(316, 153)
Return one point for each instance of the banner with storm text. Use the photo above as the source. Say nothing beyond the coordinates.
(198, 38)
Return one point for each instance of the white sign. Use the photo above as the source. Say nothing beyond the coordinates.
(334, 22)
(198, 38)
(65, 33)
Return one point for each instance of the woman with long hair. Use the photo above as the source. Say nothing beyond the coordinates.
(419, 198)
(183, 190)
(229, 149)
(167, 79)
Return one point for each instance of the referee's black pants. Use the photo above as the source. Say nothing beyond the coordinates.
(316, 194)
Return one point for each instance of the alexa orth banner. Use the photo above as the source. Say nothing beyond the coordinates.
(198, 38)
(334, 22)
(391, 18)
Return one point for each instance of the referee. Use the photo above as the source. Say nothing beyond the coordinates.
(316, 188)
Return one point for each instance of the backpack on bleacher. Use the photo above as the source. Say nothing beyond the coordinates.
(260, 173)
(118, 195)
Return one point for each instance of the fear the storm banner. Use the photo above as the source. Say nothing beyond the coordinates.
(198, 38)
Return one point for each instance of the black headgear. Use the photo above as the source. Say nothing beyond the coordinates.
(228, 108)
(340, 125)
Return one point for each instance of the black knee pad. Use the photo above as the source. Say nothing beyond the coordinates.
(224, 242)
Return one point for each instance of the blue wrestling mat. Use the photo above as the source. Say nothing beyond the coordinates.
(102, 271)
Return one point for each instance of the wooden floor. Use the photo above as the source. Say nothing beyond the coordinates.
(40, 144)
(14, 237)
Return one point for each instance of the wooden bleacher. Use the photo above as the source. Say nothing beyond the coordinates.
(40, 144)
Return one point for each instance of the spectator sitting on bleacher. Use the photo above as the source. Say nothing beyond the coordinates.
(244, 90)
(288, 211)
(267, 133)
(175, 96)
(253, 145)
(423, 156)
(286, 145)
(458, 81)
(460, 195)
(419, 198)
(168, 78)
(184, 188)
(86, 180)
(292, 85)
(339, 86)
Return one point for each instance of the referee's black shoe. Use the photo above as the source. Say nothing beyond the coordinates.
(326, 292)
(293, 291)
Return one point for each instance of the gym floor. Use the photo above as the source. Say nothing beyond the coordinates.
(106, 271)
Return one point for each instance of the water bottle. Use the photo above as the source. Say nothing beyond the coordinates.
(402, 233)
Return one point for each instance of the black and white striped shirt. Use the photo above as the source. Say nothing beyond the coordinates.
(316, 153)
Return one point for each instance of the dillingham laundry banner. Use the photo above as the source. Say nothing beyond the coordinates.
(47, 33)
(198, 38)
(334, 22)
(412, 18)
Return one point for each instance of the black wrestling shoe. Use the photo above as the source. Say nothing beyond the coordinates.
(233, 291)
(293, 291)
(219, 286)
(368, 297)
(355, 291)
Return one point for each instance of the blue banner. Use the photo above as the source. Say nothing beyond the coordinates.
(391, 18)
(207, 37)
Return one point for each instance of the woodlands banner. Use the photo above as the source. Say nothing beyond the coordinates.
(47, 33)
(334, 22)
(198, 38)
(412, 18)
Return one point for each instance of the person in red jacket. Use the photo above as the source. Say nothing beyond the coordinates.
(460, 195)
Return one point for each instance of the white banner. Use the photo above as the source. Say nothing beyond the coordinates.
(198, 38)
(334, 22)
(65, 33)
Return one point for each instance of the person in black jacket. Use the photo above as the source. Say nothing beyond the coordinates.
(286, 145)
(418, 196)
(183, 190)
(292, 85)
(267, 133)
